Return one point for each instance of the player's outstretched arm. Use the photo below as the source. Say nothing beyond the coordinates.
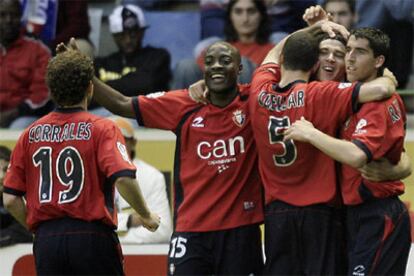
(130, 191)
(339, 150)
(382, 170)
(106, 96)
(16, 207)
(379, 89)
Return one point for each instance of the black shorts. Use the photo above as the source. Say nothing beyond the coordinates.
(235, 251)
(304, 240)
(379, 237)
(74, 247)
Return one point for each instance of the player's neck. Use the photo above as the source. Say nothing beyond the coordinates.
(223, 98)
(289, 76)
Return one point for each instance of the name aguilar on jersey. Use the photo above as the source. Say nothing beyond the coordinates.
(55, 133)
(277, 102)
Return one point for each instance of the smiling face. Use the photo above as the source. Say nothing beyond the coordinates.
(245, 18)
(222, 67)
(331, 60)
(361, 65)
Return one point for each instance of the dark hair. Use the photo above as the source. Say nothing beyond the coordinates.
(300, 52)
(263, 30)
(378, 41)
(5, 152)
(338, 37)
(351, 4)
(68, 76)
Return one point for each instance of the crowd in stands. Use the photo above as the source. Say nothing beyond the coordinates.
(253, 26)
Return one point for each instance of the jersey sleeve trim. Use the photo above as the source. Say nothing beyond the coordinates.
(355, 95)
(12, 191)
(138, 115)
(364, 148)
(123, 173)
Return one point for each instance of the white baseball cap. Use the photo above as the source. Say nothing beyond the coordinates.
(126, 17)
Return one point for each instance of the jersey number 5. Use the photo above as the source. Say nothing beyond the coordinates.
(68, 168)
(276, 127)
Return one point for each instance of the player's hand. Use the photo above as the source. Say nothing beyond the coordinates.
(314, 14)
(378, 170)
(198, 92)
(332, 28)
(301, 130)
(61, 47)
(152, 222)
(388, 74)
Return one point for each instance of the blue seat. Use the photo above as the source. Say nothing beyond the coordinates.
(177, 31)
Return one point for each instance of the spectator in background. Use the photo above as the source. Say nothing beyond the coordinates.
(23, 92)
(134, 69)
(147, 4)
(342, 12)
(72, 21)
(152, 184)
(11, 231)
(246, 28)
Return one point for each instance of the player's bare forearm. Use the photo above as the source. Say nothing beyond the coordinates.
(378, 89)
(112, 99)
(339, 150)
(16, 207)
(130, 191)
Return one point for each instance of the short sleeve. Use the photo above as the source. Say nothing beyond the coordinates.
(112, 154)
(163, 110)
(15, 180)
(264, 77)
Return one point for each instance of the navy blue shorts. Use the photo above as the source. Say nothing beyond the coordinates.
(379, 237)
(74, 247)
(304, 240)
(235, 251)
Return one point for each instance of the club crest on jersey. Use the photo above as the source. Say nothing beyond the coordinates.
(239, 118)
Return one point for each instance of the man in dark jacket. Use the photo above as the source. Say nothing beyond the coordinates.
(134, 69)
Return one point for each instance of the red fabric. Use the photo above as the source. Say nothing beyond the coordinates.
(217, 185)
(253, 51)
(97, 142)
(22, 74)
(72, 21)
(309, 176)
(380, 127)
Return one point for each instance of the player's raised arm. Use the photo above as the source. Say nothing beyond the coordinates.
(340, 150)
(378, 89)
(106, 96)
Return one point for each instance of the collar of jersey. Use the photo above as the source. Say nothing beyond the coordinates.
(279, 89)
(69, 110)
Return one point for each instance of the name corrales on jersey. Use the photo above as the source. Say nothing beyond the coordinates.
(59, 133)
(281, 102)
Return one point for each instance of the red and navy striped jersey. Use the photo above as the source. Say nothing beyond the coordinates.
(379, 130)
(294, 172)
(216, 181)
(65, 164)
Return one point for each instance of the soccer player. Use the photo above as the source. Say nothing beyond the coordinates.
(217, 189)
(66, 165)
(300, 181)
(378, 223)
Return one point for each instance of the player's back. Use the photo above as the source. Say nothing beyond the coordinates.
(294, 172)
(68, 161)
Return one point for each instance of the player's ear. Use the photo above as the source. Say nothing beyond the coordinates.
(379, 61)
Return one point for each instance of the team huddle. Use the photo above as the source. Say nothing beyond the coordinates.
(292, 149)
